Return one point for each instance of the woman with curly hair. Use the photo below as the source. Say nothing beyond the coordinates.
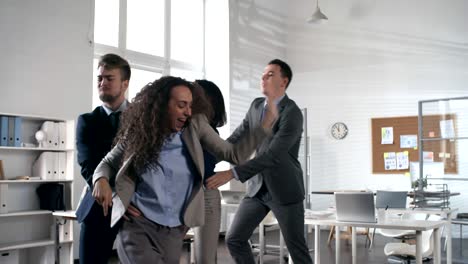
(156, 169)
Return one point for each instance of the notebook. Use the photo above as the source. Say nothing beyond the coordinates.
(355, 207)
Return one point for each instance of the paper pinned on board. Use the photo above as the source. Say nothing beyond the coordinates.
(390, 160)
(446, 129)
(408, 141)
(428, 156)
(387, 135)
(402, 160)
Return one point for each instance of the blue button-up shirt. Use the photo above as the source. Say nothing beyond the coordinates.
(164, 189)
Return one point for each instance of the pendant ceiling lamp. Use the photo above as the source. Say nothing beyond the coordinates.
(317, 16)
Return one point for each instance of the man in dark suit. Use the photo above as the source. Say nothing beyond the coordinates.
(274, 176)
(94, 136)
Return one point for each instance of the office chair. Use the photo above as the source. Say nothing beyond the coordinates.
(405, 252)
(262, 247)
(393, 199)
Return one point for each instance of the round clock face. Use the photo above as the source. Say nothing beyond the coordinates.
(339, 130)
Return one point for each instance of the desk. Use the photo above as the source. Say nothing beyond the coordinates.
(447, 212)
(444, 212)
(418, 226)
(330, 192)
(61, 216)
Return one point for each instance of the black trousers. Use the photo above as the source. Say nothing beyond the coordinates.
(249, 215)
(97, 237)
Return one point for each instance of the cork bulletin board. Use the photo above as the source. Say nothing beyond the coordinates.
(444, 150)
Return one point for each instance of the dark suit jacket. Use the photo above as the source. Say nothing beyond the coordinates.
(94, 136)
(276, 163)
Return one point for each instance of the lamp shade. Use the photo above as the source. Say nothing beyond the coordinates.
(317, 16)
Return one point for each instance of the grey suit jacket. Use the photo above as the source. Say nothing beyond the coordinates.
(196, 135)
(276, 163)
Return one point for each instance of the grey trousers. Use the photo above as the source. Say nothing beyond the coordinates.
(206, 236)
(143, 241)
(249, 215)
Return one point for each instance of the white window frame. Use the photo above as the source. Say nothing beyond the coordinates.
(149, 62)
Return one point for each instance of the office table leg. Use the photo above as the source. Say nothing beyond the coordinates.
(261, 241)
(282, 250)
(448, 238)
(437, 246)
(57, 240)
(317, 244)
(337, 244)
(418, 247)
(353, 244)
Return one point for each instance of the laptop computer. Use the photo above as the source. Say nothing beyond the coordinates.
(390, 199)
(355, 207)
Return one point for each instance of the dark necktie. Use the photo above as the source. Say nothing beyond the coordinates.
(114, 120)
(263, 112)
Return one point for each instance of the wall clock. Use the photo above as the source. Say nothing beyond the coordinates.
(339, 130)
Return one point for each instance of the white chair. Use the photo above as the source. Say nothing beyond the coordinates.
(264, 249)
(405, 252)
(401, 234)
(393, 199)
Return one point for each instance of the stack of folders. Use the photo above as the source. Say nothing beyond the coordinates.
(10, 131)
(55, 135)
(50, 166)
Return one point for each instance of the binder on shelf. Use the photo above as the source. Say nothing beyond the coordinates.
(50, 130)
(55, 138)
(9, 256)
(65, 231)
(4, 131)
(62, 134)
(45, 166)
(11, 131)
(61, 161)
(2, 172)
(17, 132)
(3, 198)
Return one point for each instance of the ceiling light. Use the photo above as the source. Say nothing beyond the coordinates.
(317, 16)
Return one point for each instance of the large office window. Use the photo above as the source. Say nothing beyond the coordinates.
(161, 37)
(157, 37)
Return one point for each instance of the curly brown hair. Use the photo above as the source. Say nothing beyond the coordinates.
(144, 125)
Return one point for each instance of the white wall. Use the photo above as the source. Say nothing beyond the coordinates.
(258, 31)
(46, 66)
(373, 59)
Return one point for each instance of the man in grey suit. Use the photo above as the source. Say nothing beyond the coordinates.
(274, 176)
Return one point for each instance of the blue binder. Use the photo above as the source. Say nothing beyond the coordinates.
(4, 131)
(18, 133)
(11, 131)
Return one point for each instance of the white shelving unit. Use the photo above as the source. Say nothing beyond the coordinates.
(27, 232)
